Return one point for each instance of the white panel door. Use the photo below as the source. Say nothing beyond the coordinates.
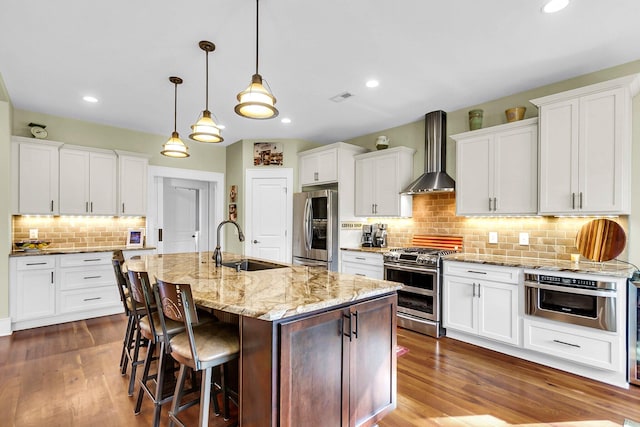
(180, 218)
(460, 309)
(498, 311)
(74, 182)
(269, 204)
(268, 219)
(38, 179)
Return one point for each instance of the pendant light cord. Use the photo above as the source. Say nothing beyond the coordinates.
(257, 38)
(206, 102)
(175, 106)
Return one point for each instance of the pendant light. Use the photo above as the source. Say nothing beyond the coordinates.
(256, 101)
(174, 147)
(206, 129)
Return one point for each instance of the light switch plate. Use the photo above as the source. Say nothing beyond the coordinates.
(33, 233)
(524, 239)
(493, 237)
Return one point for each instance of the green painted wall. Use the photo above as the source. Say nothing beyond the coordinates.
(205, 157)
(5, 211)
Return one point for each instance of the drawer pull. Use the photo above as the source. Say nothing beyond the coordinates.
(361, 258)
(476, 272)
(92, 277)
(92, 260)
(360, 274)
(566, 343)
(92, 299)
(37, 263)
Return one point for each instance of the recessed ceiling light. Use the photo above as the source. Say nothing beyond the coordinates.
(553, 6)
(91, 99)
(373, 83)
(286, 120)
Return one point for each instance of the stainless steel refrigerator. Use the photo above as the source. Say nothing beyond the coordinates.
(315, 229)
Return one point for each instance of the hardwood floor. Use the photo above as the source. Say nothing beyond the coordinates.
(67, 375)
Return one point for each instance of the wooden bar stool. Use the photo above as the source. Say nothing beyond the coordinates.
(201, 347)
(129, 335)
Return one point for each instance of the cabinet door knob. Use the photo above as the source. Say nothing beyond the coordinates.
(256, 241)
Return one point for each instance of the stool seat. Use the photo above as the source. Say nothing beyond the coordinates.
(173, 327)
(213, 342)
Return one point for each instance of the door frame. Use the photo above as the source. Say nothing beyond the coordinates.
(154, 199)
(287, 174)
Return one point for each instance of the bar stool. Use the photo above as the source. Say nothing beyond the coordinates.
(135, 300)
(155, 384)
(129, 335)
(200, 347)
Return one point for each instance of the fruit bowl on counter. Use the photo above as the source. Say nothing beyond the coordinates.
(32, 245)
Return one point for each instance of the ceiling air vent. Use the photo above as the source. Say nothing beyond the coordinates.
(341, 97)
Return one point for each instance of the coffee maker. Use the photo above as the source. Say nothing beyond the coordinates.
(380, 235)
(367, 236)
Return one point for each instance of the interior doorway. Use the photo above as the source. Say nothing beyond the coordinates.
(184, 207)
(185, 213)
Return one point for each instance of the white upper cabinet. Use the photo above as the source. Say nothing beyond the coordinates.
(585, 149)
(37, 176)
(497, 170)
(380, 177)
(87, 182)
(132, 183)
(318, 166)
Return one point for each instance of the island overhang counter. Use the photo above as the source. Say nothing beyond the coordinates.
(316, 346)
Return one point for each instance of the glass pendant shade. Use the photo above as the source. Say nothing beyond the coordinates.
(174, 147)
(256, 102)
(205, 129)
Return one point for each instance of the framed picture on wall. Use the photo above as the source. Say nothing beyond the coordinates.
(135, 238)
(267, 154)
(233, 212)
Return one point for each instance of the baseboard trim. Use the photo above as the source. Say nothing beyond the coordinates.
(5, 327)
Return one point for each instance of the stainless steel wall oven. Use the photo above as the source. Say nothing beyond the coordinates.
(589, 303)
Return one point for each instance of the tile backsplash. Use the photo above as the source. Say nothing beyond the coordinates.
(549, 237)
(70, 232)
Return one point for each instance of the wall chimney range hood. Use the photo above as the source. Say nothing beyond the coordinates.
(434, 179)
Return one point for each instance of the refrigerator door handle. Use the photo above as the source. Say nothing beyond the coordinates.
(307, 224)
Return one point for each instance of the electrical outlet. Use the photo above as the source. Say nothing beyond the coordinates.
(524, 239)
(493, 237)
(33, 233)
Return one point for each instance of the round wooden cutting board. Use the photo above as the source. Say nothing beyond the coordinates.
(601, 240)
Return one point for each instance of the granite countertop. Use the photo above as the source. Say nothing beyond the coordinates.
(63, 251)
(610, 268)
(267, 294)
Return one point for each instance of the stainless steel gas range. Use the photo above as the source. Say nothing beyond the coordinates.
(420, 300)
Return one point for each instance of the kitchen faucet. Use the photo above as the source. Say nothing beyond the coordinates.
(217, 254)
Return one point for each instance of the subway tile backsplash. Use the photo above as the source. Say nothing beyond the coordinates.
(549, 237)
(71, 232)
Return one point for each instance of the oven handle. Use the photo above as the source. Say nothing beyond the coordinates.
(407, 268)
(414, 290)
(571, 290)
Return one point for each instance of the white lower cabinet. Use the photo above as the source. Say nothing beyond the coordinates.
(361, 263)
(577, 344)
(34, 290)
(476, 303)
(52, 289)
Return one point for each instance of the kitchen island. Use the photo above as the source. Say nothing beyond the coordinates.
(316, 346)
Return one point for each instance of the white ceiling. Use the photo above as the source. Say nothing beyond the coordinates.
(427, 55)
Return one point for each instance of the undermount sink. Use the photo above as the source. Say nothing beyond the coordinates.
(252, 265)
